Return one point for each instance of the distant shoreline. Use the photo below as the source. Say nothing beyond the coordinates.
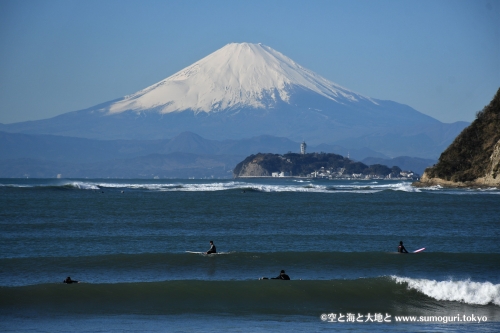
(301, 177)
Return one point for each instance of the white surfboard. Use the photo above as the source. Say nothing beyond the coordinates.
(419, 250)
(206, 253)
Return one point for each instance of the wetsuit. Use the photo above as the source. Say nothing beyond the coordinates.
(212, 249)
(68, 281)
(282, 276)
(401, 249)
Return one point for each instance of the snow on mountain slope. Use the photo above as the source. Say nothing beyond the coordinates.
(235, 76)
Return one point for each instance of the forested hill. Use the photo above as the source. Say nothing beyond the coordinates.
(473, 158)
(263, 165)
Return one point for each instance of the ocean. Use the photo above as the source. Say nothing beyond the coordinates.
(126, 241)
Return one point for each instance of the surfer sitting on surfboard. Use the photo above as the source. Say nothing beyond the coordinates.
(68, 280)
(212, 248)
(401, 248)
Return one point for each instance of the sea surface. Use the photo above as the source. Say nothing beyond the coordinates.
(126, 241)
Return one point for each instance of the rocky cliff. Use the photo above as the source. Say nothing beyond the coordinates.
(251, 168)
(492, 177)
(473, 159)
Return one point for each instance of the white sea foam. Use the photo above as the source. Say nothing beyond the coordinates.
(467, 291)
(404, 186)
(15, 185)
(206, 187)
(201, 187)
(260, 185)
(83, 185)
(433, 188)
(296, 186)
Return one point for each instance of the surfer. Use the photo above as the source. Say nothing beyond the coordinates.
(212, 248)
(401, 248)
(282, 276)
(69, 281)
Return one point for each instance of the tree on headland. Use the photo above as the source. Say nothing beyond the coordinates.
(468, 157)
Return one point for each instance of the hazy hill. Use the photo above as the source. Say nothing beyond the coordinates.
(49, 155)
(406, 163)
(173, 165)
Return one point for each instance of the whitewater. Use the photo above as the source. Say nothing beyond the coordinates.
(290, 184)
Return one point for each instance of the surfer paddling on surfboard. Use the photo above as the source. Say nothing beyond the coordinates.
(282, 276)
(212, 248)
(401, 248)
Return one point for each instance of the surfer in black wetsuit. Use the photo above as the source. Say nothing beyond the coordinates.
(282, 276)
(401, 248)
(69, 281)
(212, 248)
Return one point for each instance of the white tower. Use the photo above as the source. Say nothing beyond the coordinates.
(303, 147)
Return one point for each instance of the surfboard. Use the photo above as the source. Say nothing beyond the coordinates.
(419, 250)
(194, 252)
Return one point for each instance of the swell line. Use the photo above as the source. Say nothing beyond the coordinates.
(393, 295)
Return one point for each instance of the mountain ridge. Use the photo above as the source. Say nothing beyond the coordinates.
(46, 156)
(253, 90)
(75, 150)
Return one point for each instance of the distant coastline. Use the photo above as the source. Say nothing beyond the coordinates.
(315, 166)
(311, 178)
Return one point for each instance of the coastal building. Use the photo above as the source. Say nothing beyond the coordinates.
(303, 147)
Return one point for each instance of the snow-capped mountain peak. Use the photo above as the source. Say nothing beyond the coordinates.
(235, 76)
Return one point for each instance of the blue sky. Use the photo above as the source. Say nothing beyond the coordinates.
(440, 57)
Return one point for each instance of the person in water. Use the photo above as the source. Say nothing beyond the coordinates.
(68, 280)
(282, 276)
(212, 248)
(401, 248)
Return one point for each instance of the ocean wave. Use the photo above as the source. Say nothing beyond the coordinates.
(375, 186)
(433, 188)
(296, 185)
(82, 186)
(356, 187)
(306, 297)
(244, 266)
(259, 185)
(481, 293)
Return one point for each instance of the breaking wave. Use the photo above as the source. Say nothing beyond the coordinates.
(310, 297)
(469, 292)
(268, 185)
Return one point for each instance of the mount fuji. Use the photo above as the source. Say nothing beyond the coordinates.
(236, 76)
(245, 90)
